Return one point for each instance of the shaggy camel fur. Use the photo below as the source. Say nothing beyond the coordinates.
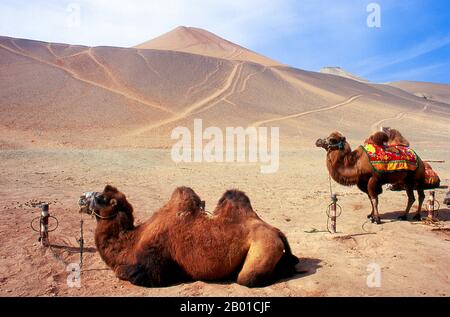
(180, 242)
(349, 168)
(388, 138)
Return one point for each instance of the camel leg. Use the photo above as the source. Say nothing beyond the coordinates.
(260, 263)
(372, 187)
(376, 216)
(411, 199)
(370, 216)
(421, 195)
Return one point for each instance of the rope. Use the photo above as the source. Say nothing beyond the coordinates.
(329, 216)
(331, 189)
(40, 222)
(334, 201)
(54, 253)
(367, 231)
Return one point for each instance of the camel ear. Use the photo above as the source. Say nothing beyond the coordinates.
(113, 202)
(343, 139)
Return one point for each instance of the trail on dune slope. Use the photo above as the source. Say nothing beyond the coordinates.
(233, 90)
(87, 81)
(230, 83)
(301, 114)
(399, 116)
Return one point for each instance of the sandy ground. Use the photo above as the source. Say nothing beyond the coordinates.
(75, 118)
(414, 257)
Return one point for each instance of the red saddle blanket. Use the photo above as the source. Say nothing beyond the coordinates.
(390, 159)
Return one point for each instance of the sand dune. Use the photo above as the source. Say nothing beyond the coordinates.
(430, 91)
(135, 96)
(199, 41)
(341, 72)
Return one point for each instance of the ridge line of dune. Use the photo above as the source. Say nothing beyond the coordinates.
(77, 77)
(196, 105)
(301, 114)
(202, 42)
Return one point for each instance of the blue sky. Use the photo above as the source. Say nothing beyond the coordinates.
(412, 43)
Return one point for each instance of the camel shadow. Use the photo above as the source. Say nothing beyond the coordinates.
(394, 215)
(443, 214)
(306, 267)
(73, 249)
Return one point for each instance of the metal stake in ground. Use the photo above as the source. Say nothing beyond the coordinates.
(333, 213)
(81, 242)
(44, 226)
(430, 205)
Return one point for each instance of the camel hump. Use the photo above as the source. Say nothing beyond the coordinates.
(379, 138)
(185, 200)
(234, 203)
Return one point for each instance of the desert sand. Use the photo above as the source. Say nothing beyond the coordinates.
(75, 118)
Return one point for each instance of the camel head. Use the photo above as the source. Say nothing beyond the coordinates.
(335, 141)
(107, 205)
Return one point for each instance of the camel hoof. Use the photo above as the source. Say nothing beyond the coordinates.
(404, 217)
(369, 216)
(377, 221)
(417, 217)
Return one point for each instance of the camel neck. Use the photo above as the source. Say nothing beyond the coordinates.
(110, 235)
(342, 166)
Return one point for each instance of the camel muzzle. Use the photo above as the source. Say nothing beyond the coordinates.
(89, 202)
(322, 143)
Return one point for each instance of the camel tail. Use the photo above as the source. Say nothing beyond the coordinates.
(286, 265)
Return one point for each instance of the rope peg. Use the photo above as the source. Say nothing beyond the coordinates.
(81, 243)
(43, 237)
(333, 207)
(431, 205)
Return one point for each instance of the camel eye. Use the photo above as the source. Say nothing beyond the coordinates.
(332, 141)
(100, 199)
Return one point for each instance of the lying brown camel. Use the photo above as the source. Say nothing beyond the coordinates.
(349, 168)
(180, 242)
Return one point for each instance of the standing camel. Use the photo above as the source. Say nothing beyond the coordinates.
(181, 242)
(349, 168)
